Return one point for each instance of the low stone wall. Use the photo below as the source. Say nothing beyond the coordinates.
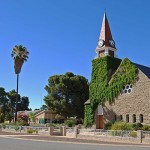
(110, 139)
(49, 131)
(104, 136)
(13, 131)
(146, 140)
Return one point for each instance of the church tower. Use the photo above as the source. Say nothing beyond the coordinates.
(106, 44)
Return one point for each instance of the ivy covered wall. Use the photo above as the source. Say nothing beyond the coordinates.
(109, 75)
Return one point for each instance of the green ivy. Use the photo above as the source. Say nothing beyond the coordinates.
(109, 75)
(88, 121)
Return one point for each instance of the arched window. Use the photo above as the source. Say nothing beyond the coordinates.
(141, 118)
(115, 118)
(127, 118)
(134, 118)
(121, 118)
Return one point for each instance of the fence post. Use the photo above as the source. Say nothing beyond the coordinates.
(51, 130)
(63, 130)
(75, 131)
(140, 135)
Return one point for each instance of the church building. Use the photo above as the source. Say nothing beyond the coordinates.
(119, 89)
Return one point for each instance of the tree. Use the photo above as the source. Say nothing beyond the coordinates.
(67, 94)
(23, 104)
(20, 55)
(8, 104)
(43, 107)
(11, 95)
(32, 117)
(3, 103)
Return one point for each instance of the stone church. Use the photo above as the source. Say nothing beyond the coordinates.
(119, 89)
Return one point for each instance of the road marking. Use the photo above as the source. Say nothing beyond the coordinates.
(69, 142)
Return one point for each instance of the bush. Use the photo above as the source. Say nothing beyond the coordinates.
(115, 133)
(121, 126)
(70, 123)
(137, 126)
(3, 126)
(146, 128)
(21, 123)
(30, 131)
(16, 128)
(108, 125)
(133, 134)
(36, 131)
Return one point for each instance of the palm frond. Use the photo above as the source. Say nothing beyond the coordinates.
(20, 55)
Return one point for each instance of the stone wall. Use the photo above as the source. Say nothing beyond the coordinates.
(137, 102)
(111, 139)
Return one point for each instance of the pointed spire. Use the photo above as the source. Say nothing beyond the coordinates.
(106, 44)
(105, 33)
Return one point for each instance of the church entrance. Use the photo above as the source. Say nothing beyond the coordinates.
(100, 123)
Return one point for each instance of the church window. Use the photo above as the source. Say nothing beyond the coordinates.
(121, 117)
(115, 117)
(134, 118)
(141, 118)
(127, 89)
(127, 118)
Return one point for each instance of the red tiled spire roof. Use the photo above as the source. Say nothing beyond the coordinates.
(105, 33)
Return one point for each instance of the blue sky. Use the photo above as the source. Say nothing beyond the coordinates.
(61, 36)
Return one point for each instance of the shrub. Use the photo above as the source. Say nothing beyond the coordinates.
(121, 126)
(133, 134)
(115, 133)
(108, 125)
(3, 126)
(16, 128)
(146, 128)
(70, 123)
(137, 126)
(21, 123)
(30, 131)
(36, 131)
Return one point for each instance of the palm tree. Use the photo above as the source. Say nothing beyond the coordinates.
(20, 55)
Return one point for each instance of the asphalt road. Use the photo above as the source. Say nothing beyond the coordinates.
(25, 144)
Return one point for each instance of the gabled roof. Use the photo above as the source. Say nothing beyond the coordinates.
(44, 111)
(144, 69)
(27, 112)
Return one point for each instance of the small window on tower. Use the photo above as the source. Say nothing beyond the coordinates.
(111, 53)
